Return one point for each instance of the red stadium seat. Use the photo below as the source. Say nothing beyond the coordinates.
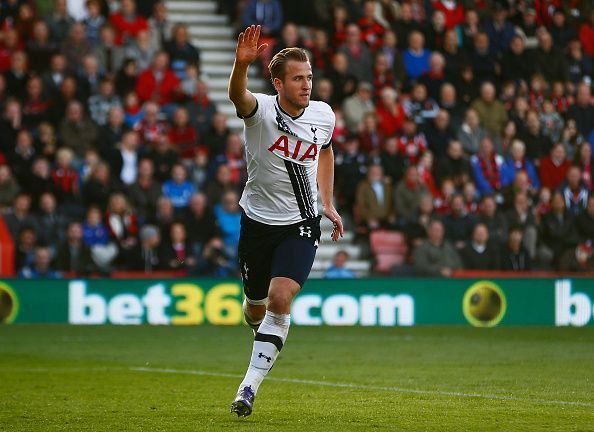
(389, 249)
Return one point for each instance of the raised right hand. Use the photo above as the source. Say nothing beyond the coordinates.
(247, 45)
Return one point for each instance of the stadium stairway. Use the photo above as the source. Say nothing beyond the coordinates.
(214, 35)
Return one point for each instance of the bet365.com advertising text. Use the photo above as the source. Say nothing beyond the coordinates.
(402, 302)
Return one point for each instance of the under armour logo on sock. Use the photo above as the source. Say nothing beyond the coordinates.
(304, 231)
(268, 359)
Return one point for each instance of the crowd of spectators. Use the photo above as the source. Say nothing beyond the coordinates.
(112, 155)
(466, 125)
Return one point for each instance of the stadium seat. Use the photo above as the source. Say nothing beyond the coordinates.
(389, 249)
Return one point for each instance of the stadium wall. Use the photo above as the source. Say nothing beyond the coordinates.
(385, 302)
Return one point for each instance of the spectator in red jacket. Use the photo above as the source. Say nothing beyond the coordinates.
(453, 10)
(159, 83)
(587, 36)
(182, 134)
(151, 127)
(372, 32)
(390, 113)
(126, 23)
(412, 144)
(553, 168)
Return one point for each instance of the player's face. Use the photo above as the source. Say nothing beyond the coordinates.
(295, 89)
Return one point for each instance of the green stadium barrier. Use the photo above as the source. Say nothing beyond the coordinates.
(367, 302)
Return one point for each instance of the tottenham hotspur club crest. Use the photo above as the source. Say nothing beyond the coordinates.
(304, 231)
(315, 138)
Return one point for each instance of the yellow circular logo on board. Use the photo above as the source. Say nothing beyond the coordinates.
(9, 304)
(484, 304)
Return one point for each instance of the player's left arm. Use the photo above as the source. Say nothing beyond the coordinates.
(326, 186)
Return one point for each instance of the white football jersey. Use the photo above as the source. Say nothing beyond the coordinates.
(282, 153)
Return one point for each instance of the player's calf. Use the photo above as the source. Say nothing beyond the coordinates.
(253, 314)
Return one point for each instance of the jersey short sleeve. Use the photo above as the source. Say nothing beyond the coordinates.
(264, 103)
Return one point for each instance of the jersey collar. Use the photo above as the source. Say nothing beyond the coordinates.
(286, 113)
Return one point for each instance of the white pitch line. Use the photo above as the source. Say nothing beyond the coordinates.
(370, 387)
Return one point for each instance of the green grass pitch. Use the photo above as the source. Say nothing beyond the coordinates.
(65, 378)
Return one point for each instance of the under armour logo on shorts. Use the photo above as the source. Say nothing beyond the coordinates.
(304, 231)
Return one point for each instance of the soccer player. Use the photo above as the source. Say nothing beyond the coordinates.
(289, 154)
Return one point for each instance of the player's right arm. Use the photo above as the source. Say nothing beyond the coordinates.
(247, 52)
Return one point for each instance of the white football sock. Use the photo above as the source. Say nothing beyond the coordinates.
(268, 342)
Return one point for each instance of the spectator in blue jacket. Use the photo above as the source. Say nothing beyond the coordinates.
(179, 189)
(41, 268)
(499, 30)
(338, 270)
(489, 169)
(267, 13)
(517, 161)
(416, 57)
(228, 216)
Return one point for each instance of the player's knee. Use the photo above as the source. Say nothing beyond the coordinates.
(280, 301)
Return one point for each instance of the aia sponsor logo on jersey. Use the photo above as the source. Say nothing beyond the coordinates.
(296, 150)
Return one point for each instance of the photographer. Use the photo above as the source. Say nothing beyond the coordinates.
(214, 261)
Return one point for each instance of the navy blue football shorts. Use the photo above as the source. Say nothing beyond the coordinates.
(268, 251)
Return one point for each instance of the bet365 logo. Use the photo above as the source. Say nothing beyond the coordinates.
(181, 304)
(571, 308)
